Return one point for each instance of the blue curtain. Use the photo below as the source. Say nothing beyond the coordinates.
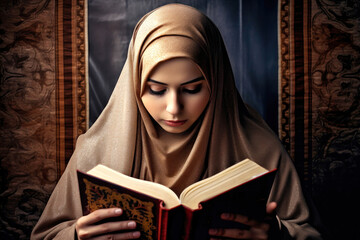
(249, 29)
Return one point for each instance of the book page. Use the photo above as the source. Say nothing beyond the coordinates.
(227, 179)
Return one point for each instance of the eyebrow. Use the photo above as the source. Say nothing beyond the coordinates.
(191, 81)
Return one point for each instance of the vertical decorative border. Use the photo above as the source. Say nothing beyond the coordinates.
(298, 85)
(82, 67)
(294, 84)
(308, 175)
(71, 77)
(284, 73)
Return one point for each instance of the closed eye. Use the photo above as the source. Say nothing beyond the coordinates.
(193, 90)
(158, 93)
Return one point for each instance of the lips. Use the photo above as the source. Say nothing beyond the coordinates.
(174, 123)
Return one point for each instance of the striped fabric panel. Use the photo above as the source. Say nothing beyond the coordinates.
(294, 86)
(71, 78)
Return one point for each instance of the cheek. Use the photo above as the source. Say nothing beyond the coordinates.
(198, 105)
(151, 105)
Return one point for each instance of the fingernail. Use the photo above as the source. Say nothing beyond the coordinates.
(118, 211)
(132, 224)
(136, 234)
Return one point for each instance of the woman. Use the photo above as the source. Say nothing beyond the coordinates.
(175, 117)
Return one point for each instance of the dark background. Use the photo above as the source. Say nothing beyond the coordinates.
(31, 103)
(249, 29)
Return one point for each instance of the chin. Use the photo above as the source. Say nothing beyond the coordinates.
(175, 130)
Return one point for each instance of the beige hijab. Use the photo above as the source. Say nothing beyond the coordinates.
(126, 138)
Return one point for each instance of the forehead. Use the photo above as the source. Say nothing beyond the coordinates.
(176, 69)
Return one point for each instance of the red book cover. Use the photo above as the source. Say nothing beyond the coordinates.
(249, 199)
(96, 193)
(157, 222)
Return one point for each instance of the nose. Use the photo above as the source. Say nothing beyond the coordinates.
(173, 105)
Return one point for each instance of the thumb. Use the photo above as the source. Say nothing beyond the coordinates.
(270, 207)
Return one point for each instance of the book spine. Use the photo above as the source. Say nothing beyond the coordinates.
(188, 223)
(172, 223)
(163, 220)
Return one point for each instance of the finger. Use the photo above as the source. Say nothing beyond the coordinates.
(259, 233)
(99, 215)
(240, 219)
(253, 233)
(104, 228)
(253, 224)
(231, 233)
(128, 235)
(271, 207)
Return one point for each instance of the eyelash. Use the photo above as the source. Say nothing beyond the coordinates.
(190, 91)
(158, 93)
(193, 91)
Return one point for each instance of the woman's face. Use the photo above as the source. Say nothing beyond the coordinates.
(175, 94)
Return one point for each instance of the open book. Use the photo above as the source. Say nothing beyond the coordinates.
(160, 214)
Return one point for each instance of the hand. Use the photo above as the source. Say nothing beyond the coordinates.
(86, 227)
(257, 230)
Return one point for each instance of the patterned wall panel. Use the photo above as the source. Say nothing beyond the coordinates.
(42, 103)
(319, 96)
